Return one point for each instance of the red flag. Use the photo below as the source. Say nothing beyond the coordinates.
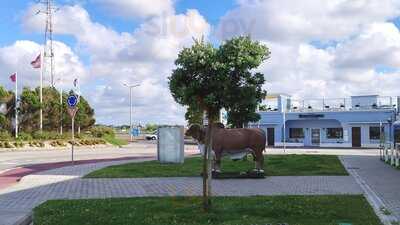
(13, 77)
(36, 64)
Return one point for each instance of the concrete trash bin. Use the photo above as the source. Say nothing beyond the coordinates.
(170, 144)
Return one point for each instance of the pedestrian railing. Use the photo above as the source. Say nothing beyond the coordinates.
(390, 154)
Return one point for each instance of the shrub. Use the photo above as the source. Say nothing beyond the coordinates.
(8, 145)
(4, 135)
(18, 144)
(101, 131)
(46, 135)
(61, 143)
(24, 136)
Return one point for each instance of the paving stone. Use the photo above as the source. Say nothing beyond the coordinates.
(66, 183)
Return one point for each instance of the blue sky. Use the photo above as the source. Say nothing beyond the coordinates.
(327, 49)
(11, 11)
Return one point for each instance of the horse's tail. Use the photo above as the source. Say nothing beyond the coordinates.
(265, 138)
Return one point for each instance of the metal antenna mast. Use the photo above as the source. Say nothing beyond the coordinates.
(48, 39)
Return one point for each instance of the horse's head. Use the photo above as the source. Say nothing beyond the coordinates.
(197, 132)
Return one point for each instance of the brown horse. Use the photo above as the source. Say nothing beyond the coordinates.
(230, 141)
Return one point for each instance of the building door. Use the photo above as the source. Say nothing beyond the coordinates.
(315, 137)
(356, 137)
(271, 136)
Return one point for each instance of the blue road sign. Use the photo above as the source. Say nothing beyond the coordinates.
(72, 101)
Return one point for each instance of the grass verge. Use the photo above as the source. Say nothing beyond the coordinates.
(115, 141)
(260, 210)
(275, 165)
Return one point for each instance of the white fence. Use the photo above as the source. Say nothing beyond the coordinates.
(390, 155)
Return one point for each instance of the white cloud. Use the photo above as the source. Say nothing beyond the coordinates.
(378, 44)
(146, 55)
(17, 58)
(361, 38)
(287, 20)
(137, 8)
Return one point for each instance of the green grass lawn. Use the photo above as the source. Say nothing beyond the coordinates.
(291, 210)
(115, 141)
(275, 165)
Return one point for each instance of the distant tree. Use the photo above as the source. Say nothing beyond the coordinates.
(29, 111)
(150, 128)
(262, 108)
(29, 117)
(85, 115)
(5, 98)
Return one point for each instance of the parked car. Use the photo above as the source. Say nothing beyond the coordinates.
(152, 136)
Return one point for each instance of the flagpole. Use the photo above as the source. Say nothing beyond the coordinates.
(41, 91)
(16, 105)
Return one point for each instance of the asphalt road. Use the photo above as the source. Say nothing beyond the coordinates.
(14, 159)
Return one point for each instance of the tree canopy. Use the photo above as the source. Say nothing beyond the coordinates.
(208, 79)
(53, 111)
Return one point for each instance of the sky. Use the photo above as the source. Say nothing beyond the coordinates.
(330, 49)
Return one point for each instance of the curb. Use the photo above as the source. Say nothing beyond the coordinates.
(25, 220)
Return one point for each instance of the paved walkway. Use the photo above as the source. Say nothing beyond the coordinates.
(369, 176)
(66, 183)
(12, 176)
(379, 180)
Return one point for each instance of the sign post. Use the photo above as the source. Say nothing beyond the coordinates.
(72, 102)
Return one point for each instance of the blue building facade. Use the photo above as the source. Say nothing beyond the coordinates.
(359, 121)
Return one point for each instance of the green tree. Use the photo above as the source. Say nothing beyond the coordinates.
(194, 116)
(5, 98)
(53, 111)
(150, 128)
(243, 93)
(85, 115)
(209, 79)
(29, 110)
(197, 81)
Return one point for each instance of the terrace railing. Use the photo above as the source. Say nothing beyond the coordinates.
(332, 104)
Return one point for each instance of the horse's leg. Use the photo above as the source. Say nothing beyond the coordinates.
(259, 161)
(217, 162)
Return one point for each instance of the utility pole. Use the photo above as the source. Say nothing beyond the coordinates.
(48, 51)
(61, 105)
(131, 108)
(48, 38)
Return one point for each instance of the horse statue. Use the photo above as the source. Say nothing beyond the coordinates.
(241, 141)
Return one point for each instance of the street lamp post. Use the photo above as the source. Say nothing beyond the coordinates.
(131, 106)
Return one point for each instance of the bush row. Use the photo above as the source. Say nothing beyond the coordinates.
(54, 143)
(94, 132)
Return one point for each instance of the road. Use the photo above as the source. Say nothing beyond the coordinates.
(9, 160)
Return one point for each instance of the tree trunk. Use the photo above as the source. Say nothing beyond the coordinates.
(207, 162)
(207, 171)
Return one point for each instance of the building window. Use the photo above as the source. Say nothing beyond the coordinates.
(296, 133)
(375, 133)
(334, 133)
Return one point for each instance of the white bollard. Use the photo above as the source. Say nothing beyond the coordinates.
(386, 154)
(392, 157)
